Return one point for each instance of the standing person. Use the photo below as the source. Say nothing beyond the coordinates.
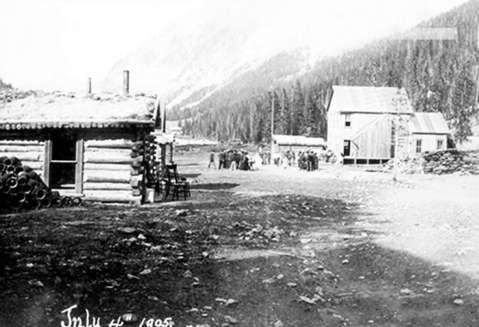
(222, 160)
(212, 160)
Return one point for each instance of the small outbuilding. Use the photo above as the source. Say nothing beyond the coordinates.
(428, 132)
(97, 147)
(296, 143)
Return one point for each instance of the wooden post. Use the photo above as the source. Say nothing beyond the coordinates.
(88, 90)
(79, 166)
(126, 82)
(46, 162)
(272, 123)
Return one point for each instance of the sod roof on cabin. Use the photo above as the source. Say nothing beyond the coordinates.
(60, 110)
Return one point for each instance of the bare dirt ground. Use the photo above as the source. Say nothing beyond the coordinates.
(339, 247)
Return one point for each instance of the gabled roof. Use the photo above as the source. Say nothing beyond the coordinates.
(59, 110)
(428, 123)
(367, 99)
(300, 140)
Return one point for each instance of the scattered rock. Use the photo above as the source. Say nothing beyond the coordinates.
(35, 282)
(278, 323)
(231, 320)
(145, 271)
(130, 276)
(127, 230)
(181, 213)
(406, 291)
(458, 301)
(230, 302)
(307, 299)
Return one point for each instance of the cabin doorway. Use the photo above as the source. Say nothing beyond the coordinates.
(64, 156)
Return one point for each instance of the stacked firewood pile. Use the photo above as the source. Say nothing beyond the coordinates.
(151, 172)
(22, 188)
(451, 161)
(143, 172)
(439, 163)
(410, 165)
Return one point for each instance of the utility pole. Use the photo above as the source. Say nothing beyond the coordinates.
(272, 123)
(399, 102)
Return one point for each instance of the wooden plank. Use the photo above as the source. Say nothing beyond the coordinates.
(46, 162)
(109, 151)
(35, 165)
(106, 186)
(109, 196)
(105, 166)
(20, 142)
(113, 158)
(17, 148)
(106, 176)
(112, 143)
(23, 156)
(79, 166)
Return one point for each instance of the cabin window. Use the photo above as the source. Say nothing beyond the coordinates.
(418, 146)
(347, 120)
(64, 162)
(440, 144)
(347, 148)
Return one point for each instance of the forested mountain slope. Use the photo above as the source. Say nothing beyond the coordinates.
(438, 76)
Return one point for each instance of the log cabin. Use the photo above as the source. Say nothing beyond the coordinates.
(93, 146)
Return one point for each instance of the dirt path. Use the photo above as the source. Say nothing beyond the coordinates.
(339, 247)
(436, 220)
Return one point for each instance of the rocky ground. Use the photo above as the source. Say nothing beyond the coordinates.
(339, 247)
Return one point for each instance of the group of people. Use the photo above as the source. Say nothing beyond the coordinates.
(237, 159)
(232, 159)
(305, 160)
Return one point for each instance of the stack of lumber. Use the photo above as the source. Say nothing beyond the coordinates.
(22, 188)
(451, 161)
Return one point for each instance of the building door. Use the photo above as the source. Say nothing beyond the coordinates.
(347, 148)
(64, 163)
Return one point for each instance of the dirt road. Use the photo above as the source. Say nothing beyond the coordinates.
(339, 247)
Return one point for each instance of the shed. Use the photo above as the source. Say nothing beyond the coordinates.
(95, 146)
(428, 132)
(283, 143)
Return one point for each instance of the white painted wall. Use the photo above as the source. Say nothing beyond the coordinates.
(429, 142)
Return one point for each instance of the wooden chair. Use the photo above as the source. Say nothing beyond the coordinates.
(173, 184)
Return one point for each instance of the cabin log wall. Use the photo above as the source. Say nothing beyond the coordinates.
(29, 152)
(107, 170)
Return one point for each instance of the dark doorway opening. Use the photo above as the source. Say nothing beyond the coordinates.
(63, 162)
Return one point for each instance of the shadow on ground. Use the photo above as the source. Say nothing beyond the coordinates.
(214, 186)
(159, 262)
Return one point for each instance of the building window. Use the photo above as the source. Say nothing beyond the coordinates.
(418, 146)
(347, 120)
(347, 148)
(440, 144)
(64, 162)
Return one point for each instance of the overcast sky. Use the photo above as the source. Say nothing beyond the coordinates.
(57, 44)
